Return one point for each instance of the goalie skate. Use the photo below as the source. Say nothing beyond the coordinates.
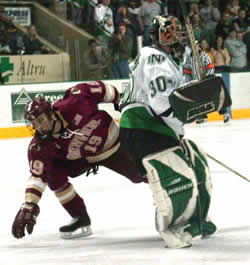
(78, 227)
(176, 238)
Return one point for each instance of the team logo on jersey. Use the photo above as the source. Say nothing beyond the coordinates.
(156, 59)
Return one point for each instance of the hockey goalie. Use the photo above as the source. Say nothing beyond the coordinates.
(155, 108)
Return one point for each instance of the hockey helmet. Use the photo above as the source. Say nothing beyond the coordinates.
(166, 30)
(38, 114)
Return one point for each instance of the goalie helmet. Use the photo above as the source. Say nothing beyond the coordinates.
(167, 30)
(38, 114)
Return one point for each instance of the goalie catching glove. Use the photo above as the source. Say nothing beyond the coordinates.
(197, 98)
(25, 218)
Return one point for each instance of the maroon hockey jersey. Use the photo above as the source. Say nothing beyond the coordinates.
(90, 136)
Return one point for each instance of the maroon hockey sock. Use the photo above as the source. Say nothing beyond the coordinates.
(76, 207)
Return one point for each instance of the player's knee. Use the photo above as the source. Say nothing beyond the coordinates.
(57, 183)
(62, 188)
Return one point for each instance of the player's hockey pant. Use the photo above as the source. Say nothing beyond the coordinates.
(120, 163)
(139, 143)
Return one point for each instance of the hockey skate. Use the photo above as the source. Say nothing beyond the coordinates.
(201, 121)
(78, 227)
(227, 119)
(176, 237)
(207, 226)
(181, 237)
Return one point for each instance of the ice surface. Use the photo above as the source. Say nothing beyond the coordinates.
(122, 213)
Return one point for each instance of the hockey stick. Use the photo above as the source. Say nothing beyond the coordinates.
(191, 37)
(200, 69)
(227, 167)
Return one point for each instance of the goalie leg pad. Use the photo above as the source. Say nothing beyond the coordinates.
(201, 168)
(173, 185)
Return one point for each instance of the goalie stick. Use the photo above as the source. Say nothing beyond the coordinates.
(227, 167)
(191, 37)
(198, 63)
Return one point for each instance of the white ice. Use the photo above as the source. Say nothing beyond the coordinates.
(122, 213)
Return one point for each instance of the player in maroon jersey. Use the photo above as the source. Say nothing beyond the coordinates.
(72, 136)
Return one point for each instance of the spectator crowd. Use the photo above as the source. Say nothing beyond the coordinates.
(220, 27)
(16, 42)
(121, 27)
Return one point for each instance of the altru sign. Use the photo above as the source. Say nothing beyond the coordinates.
(30, 69)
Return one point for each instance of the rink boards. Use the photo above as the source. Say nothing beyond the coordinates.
(14, 97)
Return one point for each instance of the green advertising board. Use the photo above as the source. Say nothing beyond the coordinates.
(19, 100)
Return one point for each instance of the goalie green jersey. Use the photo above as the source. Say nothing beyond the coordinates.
(145, 102)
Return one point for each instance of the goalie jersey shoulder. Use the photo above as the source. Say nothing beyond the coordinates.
(153, 62)
(153, 56)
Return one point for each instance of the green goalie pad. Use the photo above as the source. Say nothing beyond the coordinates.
(173, 184)
(197, 98)
(201, 168)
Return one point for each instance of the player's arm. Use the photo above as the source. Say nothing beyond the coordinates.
(96, 91)
(207, 63)
(190, 70)
(26, 216)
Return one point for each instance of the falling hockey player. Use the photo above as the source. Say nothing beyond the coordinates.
(72, 136)
(155, 107)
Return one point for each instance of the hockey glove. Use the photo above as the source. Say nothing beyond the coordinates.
(25, 218)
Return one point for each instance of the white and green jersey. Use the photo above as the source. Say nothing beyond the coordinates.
(102, 14)
(154, 75)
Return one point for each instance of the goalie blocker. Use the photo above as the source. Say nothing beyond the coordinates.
(197, 98)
